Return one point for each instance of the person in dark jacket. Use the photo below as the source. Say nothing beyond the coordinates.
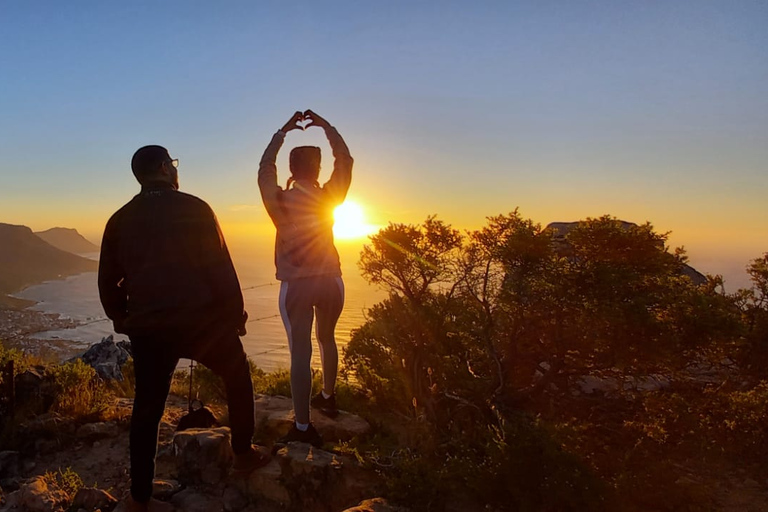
(307, 263)
(167, 281)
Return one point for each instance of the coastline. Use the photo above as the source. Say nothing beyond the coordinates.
(19, 324)
(59, 319)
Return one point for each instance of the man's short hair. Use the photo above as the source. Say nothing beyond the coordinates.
(147, 160)
(305, 162)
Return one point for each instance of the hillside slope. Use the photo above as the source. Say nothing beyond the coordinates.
(27, 259)
(67, 239)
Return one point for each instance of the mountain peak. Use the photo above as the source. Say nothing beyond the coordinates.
(67, 239)
(27, 259)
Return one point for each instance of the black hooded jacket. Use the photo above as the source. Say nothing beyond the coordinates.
(165, 267)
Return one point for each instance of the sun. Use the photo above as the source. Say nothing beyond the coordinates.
(349, 222)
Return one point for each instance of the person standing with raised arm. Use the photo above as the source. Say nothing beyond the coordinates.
(307, 263)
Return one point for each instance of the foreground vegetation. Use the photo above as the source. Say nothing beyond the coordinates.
(588, 373)
(508, 372)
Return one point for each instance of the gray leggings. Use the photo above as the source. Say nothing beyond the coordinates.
(300, 300)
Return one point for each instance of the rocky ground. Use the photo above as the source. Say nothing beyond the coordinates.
(193, 467)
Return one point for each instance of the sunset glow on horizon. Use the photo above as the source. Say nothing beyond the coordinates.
(643, 111)
(350, 222)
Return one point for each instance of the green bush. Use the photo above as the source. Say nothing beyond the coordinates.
(79, 392)
(709, 421)
(127, 387)
(515, 465)
(67, 480)
(21, 361)
(209, 387)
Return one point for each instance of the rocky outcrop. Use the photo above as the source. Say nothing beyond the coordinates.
(108, 357)
(299, 476)
(375, 505)
(560, 232)
(274, 414)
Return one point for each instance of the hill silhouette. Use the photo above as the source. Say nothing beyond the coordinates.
(27, 259)
(67, 239)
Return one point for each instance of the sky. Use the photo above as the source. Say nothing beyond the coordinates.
(647, 110)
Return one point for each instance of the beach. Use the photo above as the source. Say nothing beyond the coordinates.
(67, 318)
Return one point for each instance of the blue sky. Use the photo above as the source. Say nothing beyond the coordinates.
(645, 110)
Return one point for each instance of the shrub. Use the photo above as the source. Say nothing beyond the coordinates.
(127, 387)
(67, 480)
(21, 361)
(515, 465)
(79, 392)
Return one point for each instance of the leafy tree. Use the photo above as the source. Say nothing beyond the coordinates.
(753, 303)
(509, 318)
(506, 312)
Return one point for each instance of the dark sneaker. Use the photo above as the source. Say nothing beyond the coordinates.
(310, 436)
(327, 406)
(249, 461)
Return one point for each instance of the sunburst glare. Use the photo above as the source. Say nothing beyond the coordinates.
(349, 221)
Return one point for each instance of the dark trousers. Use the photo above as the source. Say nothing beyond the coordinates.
(155, 358)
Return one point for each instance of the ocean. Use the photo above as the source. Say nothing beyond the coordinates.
(77, 297)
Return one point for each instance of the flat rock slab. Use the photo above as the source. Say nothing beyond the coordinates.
(276, 413)
(301, 477)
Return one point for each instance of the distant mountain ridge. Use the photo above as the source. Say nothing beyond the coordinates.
(67, 239)
(26, 259)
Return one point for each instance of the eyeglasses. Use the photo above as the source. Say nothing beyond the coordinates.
(174, 162)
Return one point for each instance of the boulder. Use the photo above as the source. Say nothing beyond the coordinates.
(33, 387)
(301, 477)
(165, 489)
(37, 496)
(233, 500)
(94, 431)
(108, 357)
(275, 413)
(375, 505)
(266, 483)
(90, 499)
(202, 455)
(190, 500)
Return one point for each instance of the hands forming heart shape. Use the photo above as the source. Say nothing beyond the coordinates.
(303, 120)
